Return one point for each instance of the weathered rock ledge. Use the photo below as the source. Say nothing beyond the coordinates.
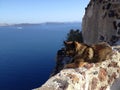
(99, 76)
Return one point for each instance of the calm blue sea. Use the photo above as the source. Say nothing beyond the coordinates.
(27, 53)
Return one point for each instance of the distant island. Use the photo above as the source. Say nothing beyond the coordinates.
(4, 24)
(46, 23)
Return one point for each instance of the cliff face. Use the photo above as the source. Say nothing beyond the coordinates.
(101, 22)
(99, 76)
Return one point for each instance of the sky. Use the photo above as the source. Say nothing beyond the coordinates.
(39, 11)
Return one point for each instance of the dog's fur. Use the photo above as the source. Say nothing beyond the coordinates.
(83, 53)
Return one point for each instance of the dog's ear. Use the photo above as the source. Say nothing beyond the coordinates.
(65, 43)
(75, 44)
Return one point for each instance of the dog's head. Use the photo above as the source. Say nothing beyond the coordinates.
(70, 47)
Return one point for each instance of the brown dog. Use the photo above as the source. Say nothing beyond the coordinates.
(83, 53)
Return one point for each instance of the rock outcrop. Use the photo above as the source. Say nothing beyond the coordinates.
(101, 22)
(99, 76)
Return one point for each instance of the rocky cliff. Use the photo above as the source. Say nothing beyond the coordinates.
(101, 22)
(99, 76)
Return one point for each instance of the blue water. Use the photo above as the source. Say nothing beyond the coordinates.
(27, 55)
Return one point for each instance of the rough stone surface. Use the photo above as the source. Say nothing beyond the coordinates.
(101, 22)
(99, 76)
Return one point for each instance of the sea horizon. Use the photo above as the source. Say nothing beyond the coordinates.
(39, 23)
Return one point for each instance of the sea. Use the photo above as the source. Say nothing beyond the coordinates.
(28, 53)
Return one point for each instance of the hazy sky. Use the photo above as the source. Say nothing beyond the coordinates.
(37, 11)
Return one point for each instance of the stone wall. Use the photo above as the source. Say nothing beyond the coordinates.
(99, 76)
(101, 22)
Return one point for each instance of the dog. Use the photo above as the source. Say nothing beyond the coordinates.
(82, 53)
